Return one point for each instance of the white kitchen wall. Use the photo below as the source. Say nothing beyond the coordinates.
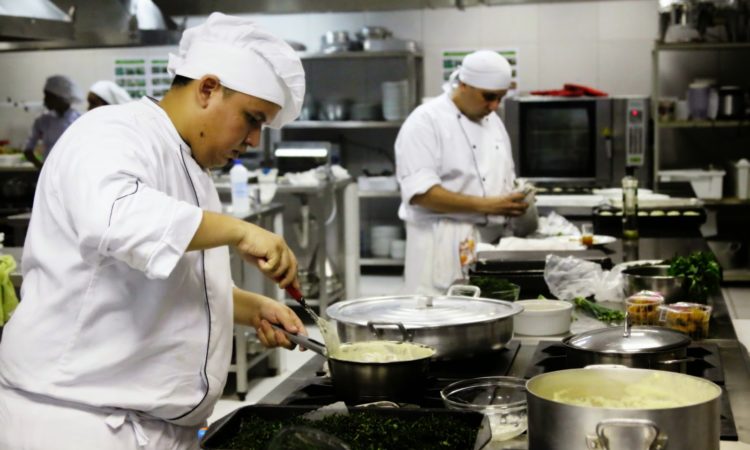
(604, 44)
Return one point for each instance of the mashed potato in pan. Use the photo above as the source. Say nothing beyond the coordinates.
(382, 351)
(659, 390)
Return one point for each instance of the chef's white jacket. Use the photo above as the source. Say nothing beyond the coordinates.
(114, 312)
(437, 145)
(48, 128)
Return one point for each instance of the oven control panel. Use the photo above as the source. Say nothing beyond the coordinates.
(635, 132)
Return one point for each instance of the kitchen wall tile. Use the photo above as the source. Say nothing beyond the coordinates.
(452, 27)
(625, 66)
(567, 62)
(568, 21)
(433, 69)
(628, 19)
(405, 24)
(528, 66)
(511, 23)
(292, 27)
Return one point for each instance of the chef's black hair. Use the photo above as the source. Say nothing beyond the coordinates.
(180, 81)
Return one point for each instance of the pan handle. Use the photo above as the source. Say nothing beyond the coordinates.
(643, 432)
(475, 291)
(378, 333)
(304, 341)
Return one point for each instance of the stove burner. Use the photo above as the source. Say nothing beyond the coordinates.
(549, 356)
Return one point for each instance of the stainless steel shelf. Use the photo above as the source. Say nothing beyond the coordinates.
(379, 194)
(702, 46)
(705, 124)
(348, 124)
(382, 262)
(359, 54)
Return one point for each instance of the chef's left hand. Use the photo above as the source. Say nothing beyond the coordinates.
(267, 311)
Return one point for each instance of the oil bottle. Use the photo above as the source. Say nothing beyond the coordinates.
(630, 205)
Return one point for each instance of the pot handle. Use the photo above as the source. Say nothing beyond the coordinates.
(645, 433)
(475, 291)
(378, 333)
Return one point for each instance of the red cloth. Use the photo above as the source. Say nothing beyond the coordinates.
(572, 90)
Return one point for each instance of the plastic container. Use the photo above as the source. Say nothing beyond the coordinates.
(643, 308)
(706, 183)
(501, 399)
(543, 317)
(742, 178)
(238, 176)
(689, 318)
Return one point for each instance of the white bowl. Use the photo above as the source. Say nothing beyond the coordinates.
(543, 317)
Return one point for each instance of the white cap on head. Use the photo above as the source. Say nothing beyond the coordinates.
(64, 88)
(110, 92)
(483, 69)
(246, 58)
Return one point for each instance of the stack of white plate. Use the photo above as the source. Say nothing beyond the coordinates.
(381, 237)
(395, 100)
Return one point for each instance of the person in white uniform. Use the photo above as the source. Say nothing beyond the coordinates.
(456, 172)
(60, 93)
(105, 92)
(123, 336)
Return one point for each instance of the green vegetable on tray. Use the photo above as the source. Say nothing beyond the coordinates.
(600, 312)
(701, 271)
(493, 287)
(363, 430)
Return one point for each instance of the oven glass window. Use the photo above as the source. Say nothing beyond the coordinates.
(558, 140)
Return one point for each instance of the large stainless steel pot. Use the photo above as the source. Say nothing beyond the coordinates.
(622, 419)
(455, 326)
(638, 347)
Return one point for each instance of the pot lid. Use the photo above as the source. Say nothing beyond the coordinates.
(641, 339)
(422, 311)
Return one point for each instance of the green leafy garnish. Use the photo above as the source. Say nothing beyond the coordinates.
(492, 287)
(600, 312)
(701, 271)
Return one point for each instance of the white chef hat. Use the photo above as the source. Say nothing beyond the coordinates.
(246, 58)
(110, 92)
(483, 69)
(64, 88)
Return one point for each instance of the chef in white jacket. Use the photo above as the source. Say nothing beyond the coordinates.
(123, 336)
(456, 172)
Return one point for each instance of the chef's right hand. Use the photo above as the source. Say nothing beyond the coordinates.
(505, 205)
(270, 253)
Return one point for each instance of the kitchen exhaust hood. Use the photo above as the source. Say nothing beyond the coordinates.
(34, 19)
(88, 24)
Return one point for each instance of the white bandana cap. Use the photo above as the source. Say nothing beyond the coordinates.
(64, 88)
(110, 92)
(245, 58)
(483, 69)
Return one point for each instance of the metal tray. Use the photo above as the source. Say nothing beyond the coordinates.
(226, 427)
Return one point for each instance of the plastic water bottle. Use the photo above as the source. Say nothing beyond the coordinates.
(240, 191)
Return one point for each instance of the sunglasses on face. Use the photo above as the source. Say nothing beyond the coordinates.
(492, 96)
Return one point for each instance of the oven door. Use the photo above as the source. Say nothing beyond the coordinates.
(561, 140)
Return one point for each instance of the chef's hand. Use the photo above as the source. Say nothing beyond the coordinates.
(271, 254)
(505, 205)
(260, 312)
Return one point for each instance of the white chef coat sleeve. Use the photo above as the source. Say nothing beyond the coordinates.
(108, 187)
(417, 156)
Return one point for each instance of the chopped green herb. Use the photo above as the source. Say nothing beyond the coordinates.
(701, 271)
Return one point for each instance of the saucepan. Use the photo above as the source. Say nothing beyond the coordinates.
(368, 371)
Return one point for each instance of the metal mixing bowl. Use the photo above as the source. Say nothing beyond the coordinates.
(655, 278)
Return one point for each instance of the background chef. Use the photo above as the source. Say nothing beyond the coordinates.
(456, 172)
(60, 93)
(123, 337)
(106, 92)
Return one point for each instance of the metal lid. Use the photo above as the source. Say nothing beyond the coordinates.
(421, 311)
(641, 339)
